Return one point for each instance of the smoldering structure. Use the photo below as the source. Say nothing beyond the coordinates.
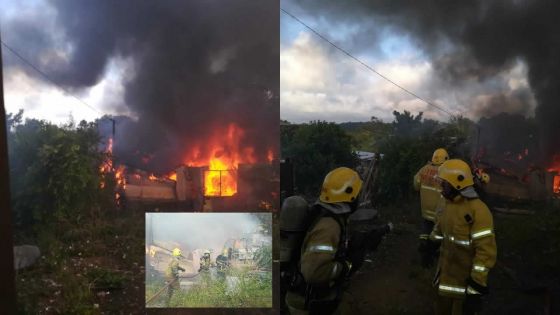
(201, 86)
(235, 242)
(479, 42)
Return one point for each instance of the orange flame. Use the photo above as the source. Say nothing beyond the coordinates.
(119, 177)
(555, 168)
(222, 152)
(172, 176)
(222, 158)
(152, 177)
(556, 184)
(107, 165)
(219, 180)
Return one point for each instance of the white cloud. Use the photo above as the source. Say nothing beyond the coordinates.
(314, 79)
(41, 99)
(318, 82)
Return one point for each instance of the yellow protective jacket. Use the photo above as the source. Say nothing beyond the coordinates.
(172, 271)
(319, 248)
(428, 184)
(468, 245)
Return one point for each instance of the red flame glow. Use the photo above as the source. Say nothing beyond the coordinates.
(555, 167)
(222, 153)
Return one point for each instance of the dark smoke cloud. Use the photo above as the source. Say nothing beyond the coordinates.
(472, 40)
(515, 102)
(197, 66)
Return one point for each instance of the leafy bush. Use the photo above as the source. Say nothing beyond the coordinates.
(407, 144)
(250, 291)
(316, 148)
(411, 145)
(263, 257)
(54, 172)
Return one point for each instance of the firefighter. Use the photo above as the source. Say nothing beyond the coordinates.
(428, 184)
(172, 273)
(325, 260)
(468, 247)
(205, 262)
(222, 263)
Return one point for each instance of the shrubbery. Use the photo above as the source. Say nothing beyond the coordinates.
(407, 144)
(54, 173)
(316, 148)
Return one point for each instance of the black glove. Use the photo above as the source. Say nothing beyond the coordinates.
(473, 299)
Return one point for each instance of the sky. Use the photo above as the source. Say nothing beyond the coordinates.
(473, 59)
(172, 73)
(318, 82)
(26, 89)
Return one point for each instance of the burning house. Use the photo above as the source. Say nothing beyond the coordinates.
(519, 169)
(200, 104)
(230, 177)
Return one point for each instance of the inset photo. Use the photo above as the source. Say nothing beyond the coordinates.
(205, 260)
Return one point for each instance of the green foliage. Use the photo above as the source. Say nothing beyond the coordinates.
(411, 144)
(88, 260)
(105, 279)
(367, 136)
(59, 205)
(263, 257)
(54, 171)
(406, 143)
(251, 289)
(316, 148)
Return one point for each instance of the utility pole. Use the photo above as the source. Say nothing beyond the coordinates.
(7, 276)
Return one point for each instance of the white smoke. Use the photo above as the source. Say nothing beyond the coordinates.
(192, 231)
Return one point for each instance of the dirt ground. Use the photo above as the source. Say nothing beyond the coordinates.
(96, 269)
(525, 281)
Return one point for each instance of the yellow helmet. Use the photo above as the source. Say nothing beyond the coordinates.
(457, 173)
(485, 178)
(176, 252)
(440, 156)
(341, 185)
(482, 176)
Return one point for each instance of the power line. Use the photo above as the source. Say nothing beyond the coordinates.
(365, 64)
(13, 51)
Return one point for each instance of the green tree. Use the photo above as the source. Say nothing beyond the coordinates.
(54, 172)
(371, 135)
(410, 145)
(316, 148)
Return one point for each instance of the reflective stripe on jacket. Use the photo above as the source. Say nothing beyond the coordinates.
(319, 248)
(468, 249)
(428, 184)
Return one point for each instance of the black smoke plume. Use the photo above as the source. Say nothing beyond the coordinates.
(197, 67)
(472, 40)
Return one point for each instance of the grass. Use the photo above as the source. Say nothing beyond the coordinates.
(252, 290)
(86, 269)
